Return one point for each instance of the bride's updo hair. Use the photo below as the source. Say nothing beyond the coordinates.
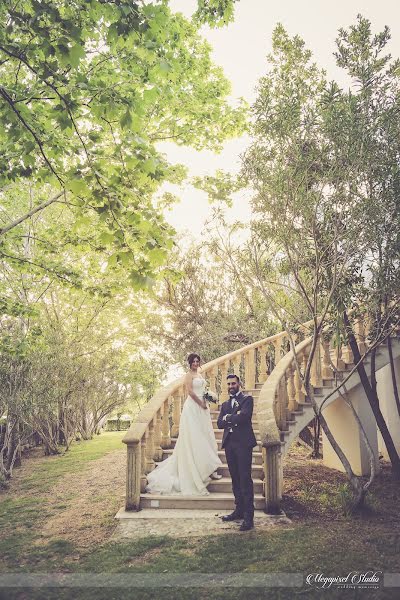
(191, 358)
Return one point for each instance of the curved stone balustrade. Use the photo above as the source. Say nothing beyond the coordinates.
(268, 364)
(158, 421)
(283, 398)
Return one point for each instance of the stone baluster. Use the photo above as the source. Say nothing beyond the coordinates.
(165, 430)
(272, 472)
(236, 365)
(277, 350)
(150, 448)
(367, 327)
(249, 366)
(327, 372)
(348, 355)
(340, 364)
(315, 373)
(285, 345)
(282, 404)
(157, 437)
(133, 479)
(224, 386)
(143, 479)
(291, 389)
(213, 379)
(298, 382)
(263, 375)
(176, 413)
(305, 357)
(360, 335)
(181, 391)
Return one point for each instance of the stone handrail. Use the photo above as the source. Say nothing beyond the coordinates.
(284, 394)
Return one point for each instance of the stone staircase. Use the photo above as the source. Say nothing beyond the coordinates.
(281, 411)
(221, 496)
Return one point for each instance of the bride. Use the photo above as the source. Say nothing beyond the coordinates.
(194, 460)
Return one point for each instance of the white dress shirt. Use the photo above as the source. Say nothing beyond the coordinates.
(233, 399)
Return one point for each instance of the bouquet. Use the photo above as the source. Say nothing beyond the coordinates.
(210, 397)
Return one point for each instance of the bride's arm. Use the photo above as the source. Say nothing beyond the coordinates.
(189, 387)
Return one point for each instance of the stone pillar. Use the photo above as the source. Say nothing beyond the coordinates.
(346, 432)
(176, 414)
(224, 386)
(298, 383)
(338, 361)
(143, 478)
(315, 372)
(387, 403)
(249, 369)
(327, 371)
(158, 452)
(150, 449)
(263, 376)
(272, 482)
(292, 404)
(165, 432)
(133, 469)
(213, 379)
(277, 350)
(236, 366)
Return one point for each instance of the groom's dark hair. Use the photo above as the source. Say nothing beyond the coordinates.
(232, 375)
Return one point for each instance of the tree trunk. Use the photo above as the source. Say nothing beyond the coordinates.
(316, 433)
(392, 369)
(373, 400)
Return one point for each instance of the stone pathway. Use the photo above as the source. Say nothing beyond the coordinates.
(186, 523)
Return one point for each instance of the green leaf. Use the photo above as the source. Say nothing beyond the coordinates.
(165, 66)
(106, 238)
(78, 187)
(126, 120)
(76, 53)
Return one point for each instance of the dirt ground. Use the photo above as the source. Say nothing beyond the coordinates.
(81, 506)
(95, 495)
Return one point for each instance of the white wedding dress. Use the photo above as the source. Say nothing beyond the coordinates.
(187, 471)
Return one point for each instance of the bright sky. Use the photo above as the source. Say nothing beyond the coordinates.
(241, 49)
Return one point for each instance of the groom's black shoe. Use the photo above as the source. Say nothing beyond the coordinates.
(235, 516)
(247, 525)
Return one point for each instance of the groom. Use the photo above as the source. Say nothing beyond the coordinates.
(238, 441)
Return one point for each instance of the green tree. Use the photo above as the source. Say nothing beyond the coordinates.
(205, 310)
(308, 165)
(88, 89)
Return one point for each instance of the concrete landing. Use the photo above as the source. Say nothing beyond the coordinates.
(186, 523)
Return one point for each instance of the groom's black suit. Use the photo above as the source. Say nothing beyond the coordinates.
(238, 445)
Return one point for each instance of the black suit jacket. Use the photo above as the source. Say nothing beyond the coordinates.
(242, 430)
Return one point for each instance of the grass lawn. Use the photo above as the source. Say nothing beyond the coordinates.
(58, 516)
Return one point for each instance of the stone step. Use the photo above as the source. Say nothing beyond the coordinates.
(224, 485)
(257, 456)
(219, 441)
(256, 471)
(254, 423)
(215, 413)
(214, 501)
(305, 404)
(220, 432)
(283, 435)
